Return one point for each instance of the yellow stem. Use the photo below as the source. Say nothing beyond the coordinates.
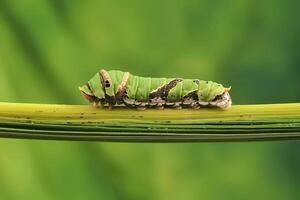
(76, 122)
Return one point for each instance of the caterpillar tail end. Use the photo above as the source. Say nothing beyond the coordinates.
(226, 101)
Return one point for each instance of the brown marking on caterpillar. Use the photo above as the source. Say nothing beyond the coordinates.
(158, 97)
(128, 101)
(122, 88)
(157, 101)
(164, 90)
(105, 78)
(192, 96)
(196, 81)
(218, 97)
(191, 99)
(106, 82)
(88, 97)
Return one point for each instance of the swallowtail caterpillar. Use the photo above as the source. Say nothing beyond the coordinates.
(116, 87)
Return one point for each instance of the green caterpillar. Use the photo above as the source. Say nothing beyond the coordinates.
(116, 87)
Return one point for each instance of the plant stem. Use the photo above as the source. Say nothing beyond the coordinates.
(84, 123)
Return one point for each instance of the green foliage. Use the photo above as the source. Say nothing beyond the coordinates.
(48, 48)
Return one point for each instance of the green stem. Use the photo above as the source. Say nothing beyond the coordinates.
(74, 122)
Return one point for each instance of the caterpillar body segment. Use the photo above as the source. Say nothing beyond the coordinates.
(116, 87)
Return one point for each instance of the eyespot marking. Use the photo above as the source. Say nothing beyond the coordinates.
(107, 84)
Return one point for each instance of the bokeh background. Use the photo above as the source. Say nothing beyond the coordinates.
(50, 47)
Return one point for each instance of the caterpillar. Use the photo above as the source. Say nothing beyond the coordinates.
(113, 87)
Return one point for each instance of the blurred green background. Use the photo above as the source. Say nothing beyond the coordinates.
(50, 47)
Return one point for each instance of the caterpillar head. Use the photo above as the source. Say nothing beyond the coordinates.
(93, 90)
(87, 93)
(214, 94)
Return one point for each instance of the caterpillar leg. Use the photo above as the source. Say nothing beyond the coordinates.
(159, 107)
(141, 105)
(191, 101)
(195, 106)
(178, 107)
(97, 104)
(141, 108)
(129, 105)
